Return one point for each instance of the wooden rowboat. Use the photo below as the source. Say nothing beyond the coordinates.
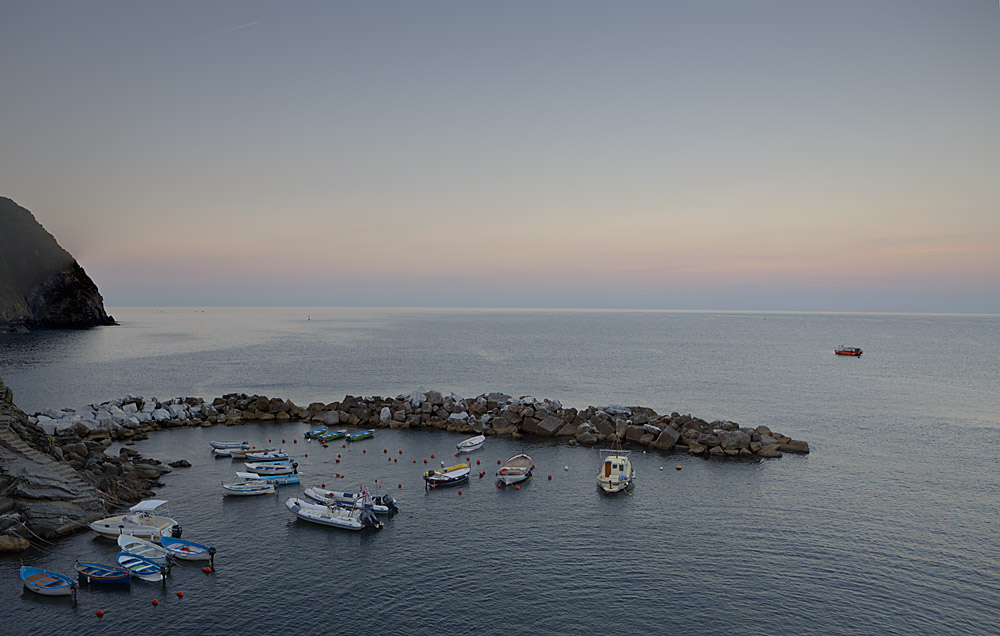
(101, 573)
(47, 583)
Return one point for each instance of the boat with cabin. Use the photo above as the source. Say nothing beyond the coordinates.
(616, 473)
(142, 520)
(848, 351)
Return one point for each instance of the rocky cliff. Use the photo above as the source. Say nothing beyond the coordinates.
(41, 285)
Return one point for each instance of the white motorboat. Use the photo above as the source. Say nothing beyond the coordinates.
(515, 469)
(379, 504)
(272, 468)
(143, 548)
(139, 521)
(471, 444)
(616, 472)
(331, 515)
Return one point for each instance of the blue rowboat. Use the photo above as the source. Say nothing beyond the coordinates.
(101, 573)
(187, 550)
(277, 480)
(46, 582)
(316, 432)
(140, 567)
(354, 437)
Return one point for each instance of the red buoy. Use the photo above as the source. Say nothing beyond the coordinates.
(394, 459)
(99, 612)
(432, 455)
(269, 439)
(322, 485)
(550, 477)
(517, 486)
(155, 602)
(460, 492)
(324, 445)
(295, 441)
(180, 594)
(499, 485)
(400, 486)
(401, 451)
(425, 461)
(282, 441)
(456, 454)
(498, 461)
(206, 570)
(338, 454)
(414, 461)
(365, 451)
(385, 450)
(338, 460)
(307, 455)
(468, 459)
(477, 462)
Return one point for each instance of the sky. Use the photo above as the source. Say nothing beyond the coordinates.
(723, 155)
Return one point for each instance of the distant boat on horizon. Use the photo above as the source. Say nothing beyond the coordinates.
(848, 351)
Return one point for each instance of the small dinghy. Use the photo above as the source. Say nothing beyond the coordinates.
(447, 476)
(242, 452)
(141, 568)
(333, 516)
(271, 468)
(471, 444)
(360, 435)
(242, 487)
(140, 521)
(143, 548)
(379, 504)
(329, 436)
(230, 444)
(187, 550)
(316, 432)
(101, 573)
(266, 456)
(276, 480)
(47, 583)
(517, 468)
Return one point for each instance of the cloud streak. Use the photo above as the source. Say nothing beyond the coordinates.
(230, 30)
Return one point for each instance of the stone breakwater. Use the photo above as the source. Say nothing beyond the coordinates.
(491, 414)
(55, 484)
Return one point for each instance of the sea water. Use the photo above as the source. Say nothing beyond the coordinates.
(888, 526)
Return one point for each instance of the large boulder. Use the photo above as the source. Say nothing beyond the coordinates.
(667, 438)
(733, 440)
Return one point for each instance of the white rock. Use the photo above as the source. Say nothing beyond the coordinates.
(160, 415)
(385, 415)
(148, 406)
(459, 417)
(130, 409)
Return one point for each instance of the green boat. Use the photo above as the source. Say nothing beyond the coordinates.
(353, 437)
(331, 435)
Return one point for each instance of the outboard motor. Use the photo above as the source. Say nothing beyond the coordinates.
(176, 531)
(389, 503)
(295, 468)
(368, 520)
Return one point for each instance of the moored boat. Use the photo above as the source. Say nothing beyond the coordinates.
(243, 487)
(101, 573)
(222, 452)
(265, 456)
(316, 432)
(272, 468)
(329, 436)
(379, 504)
(515, 469)
(334, 516)
(276, 480)
(139, 521)
(141, 568)
(143, 548)
(471, 444)
(848, 351)
(360, 435)
(616, 472)
(447, 475)
(187, 550)
(230, 444)
(46, 582)
(240, 453)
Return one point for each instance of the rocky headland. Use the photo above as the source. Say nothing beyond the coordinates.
(41, 284)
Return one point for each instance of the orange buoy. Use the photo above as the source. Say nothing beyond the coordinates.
(155, 602)
(180, 594)
(678, 466)
(99, 612)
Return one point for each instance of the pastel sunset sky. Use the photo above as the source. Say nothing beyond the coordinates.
(768, 155)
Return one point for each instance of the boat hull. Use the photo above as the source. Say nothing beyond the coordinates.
(47, 583)
(330, 515)
(113, 527)
(143, 548)
(450, 476)
(103, 574)
(360, 435)
(248, 489)
(471, 444)
(271, 468)
(141, 568)
(187, 550)
(516, 469)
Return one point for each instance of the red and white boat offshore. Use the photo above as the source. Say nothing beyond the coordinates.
(848, 351)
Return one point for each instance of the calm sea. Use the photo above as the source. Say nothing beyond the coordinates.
(889, 526)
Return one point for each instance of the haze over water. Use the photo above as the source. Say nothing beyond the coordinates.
(886, 527)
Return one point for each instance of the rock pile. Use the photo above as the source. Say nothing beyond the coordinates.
(54, 484)
(489, 414)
